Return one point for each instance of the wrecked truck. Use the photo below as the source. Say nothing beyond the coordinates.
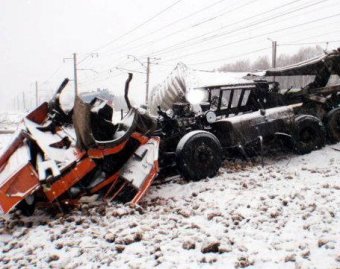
(320, 96)
(57, 156)
(196, 143)
(208, 115)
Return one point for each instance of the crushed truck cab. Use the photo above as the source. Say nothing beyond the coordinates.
(60, 156)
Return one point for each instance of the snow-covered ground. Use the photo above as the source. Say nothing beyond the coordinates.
(283, 215)
(10, 120)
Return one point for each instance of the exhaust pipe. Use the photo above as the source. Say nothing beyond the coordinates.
(126, 91)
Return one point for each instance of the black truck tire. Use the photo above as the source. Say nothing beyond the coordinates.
(332, 123)
(309, 134)
(198, 155)
(27, 206)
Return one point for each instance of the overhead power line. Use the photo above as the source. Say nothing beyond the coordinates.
(202, 22)
(109, 76)
(54, 73)
(229, 10)
(228, 25)
(309, 43)
(258, 50)
(226, 11)
(232, 57)
(222, 34)
(176, 46)
(256, 36)
(138, 26)
(336, 30)
(205, 8)
(199, 39)
(110, 72)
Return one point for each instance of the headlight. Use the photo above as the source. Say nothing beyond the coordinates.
(210, 116)
(196, 96)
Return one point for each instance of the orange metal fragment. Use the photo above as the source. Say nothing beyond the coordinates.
(21, 184)
(106, 182)
(39, 114)
(101, 153)
(72, 177)
(141, 138)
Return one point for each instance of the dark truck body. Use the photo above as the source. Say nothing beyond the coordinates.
(258, 111)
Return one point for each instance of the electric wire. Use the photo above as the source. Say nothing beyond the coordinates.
(257, 36)
(229, 11)
(191, 26)
(138, 26)
(166, 50)
(209, 38)
(251, 38)
(232, 57)
(205, 8)
(309, 43)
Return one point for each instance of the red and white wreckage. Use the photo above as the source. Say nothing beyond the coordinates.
(58, 157)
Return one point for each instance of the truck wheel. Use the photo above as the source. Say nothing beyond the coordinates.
(198, 155)
(309, 134)
(332, 122)
(27, 206)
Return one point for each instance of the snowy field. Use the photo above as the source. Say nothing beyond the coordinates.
(10, 120)
(283, 215)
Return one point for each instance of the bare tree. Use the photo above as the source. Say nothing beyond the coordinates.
(263, 63)
(239, 66)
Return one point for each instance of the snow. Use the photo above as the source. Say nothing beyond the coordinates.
(16, 162)
(206, 78)
(45, 139)
(9, 120)
(283, 215)
(276, 112)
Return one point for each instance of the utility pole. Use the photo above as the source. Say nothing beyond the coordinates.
(148, 71)
(23, 100)
(75, 70)
(147, 80)
(274, 48)
(75, 74)
(36, 94)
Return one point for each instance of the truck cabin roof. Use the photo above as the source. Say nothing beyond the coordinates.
(237, 98)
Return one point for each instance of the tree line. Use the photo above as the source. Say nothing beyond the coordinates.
(264, 62)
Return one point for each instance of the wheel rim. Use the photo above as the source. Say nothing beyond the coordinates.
(199, 158)
(203, 155)
(337, 123)
(306, 135)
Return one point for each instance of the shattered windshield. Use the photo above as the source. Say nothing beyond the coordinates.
(226, 100)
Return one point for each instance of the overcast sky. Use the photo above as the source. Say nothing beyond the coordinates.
(36, 35)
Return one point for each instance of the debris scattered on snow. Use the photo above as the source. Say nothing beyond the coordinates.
(275, 222)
